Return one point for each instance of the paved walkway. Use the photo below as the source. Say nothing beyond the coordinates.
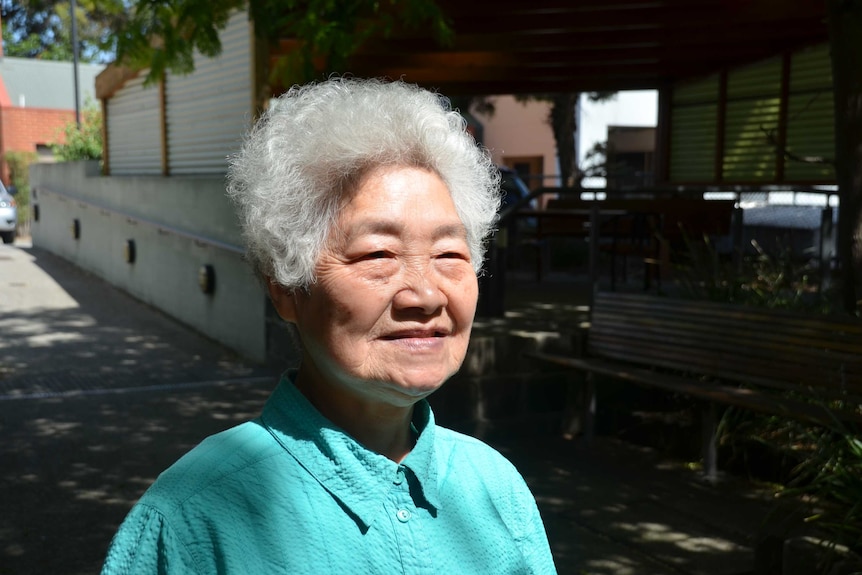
(99, 393)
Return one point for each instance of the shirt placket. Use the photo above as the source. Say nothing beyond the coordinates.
(407, 523)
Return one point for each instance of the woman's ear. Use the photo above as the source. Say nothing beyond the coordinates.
(283, 300)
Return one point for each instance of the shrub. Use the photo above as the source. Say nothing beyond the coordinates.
(821, 466)
(82, 142)
(775, 280)
(19, 168)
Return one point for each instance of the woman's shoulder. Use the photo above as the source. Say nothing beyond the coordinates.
(212, 466)
(470, 468)
(452, 446)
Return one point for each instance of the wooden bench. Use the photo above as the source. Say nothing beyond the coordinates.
(778, 362)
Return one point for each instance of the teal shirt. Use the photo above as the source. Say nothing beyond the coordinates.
(291, 493)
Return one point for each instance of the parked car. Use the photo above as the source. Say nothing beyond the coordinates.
(8, 216)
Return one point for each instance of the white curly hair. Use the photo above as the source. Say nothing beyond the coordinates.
(315, 143)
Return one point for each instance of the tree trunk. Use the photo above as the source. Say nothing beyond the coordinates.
(845, 31)
(563, 124)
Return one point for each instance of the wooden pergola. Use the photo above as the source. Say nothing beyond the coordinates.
(518, 46)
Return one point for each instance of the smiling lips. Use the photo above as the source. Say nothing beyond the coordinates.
(416, 334)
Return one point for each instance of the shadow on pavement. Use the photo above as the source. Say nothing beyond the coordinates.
(74, 332)
(73, 466)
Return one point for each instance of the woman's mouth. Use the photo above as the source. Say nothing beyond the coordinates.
(416, 334)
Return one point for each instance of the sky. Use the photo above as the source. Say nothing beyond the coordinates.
(631, 108)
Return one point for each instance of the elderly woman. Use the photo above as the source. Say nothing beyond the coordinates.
(365, 206)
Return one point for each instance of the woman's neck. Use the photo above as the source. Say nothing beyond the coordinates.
(382, 428)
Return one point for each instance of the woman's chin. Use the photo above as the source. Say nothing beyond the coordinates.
(414, 386)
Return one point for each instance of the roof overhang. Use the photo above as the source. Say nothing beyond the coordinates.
(534, 46)
(112, 78)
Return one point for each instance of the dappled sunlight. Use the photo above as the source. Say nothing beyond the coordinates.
(144, 341)
(79, 339)
(52, 339)
(533, 316)
(708, 545)
(559, 501)
(28, 329)
(13, 550)
(50, 428)
(616, 564)
(538, 335)
(650, 531)
(612, 508)
(98, 395)
(83, 462)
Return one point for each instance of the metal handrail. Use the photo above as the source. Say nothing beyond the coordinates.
(668, 191)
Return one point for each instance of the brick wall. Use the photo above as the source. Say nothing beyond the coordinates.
(21, 129)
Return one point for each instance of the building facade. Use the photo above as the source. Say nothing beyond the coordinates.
(37, 100)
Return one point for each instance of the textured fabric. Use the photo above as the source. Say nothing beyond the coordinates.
(291, 493)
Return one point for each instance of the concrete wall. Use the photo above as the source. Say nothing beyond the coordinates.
(177, 224)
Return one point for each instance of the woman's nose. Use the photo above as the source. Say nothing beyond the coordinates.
(421, 290)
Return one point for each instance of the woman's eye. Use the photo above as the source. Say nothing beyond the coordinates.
(378, 255)
(452, 256)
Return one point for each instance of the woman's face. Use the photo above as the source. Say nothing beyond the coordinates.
(389, 318)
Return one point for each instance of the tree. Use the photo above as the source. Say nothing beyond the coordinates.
(599, 163)
(564, 125)
(845, 29)
(42, 28)
(164, 34)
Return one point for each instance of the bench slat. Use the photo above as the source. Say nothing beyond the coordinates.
(610, 300)
(762, 374)
(724, 394)
(807, 363)
(725, 340)
(769, 333)
(814, 349)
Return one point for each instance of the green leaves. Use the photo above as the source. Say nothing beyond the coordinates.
(42, 28)
(82, 142)
(831, 476)
(164, 35)
(322, 34)
(328, 32)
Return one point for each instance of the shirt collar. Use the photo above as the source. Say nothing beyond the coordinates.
(358, 477)
(422, 460)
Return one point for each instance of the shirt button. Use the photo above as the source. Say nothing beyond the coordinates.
(399, 476)
(403, 515)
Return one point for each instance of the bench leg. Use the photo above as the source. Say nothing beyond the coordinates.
(589, 408)
(579, 415)
(709, 429)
